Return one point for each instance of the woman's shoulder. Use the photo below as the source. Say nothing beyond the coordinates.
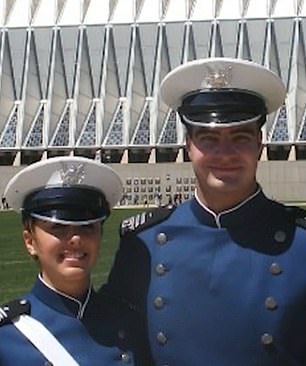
(13, 309)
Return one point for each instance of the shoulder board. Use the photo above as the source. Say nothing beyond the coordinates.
(299, 215)
(144, 220)
(13, 309)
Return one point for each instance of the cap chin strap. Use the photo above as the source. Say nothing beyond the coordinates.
(44, 341)
(67, 222)
(219, 124)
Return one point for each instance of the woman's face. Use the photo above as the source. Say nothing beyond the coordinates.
(66, 253)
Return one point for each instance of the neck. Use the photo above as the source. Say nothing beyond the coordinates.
(222, 201)
(75, 289)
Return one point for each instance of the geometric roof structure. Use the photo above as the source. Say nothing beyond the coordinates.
(85, 74)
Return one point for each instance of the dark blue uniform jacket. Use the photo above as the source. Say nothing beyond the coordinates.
(217, 290)
(94, 333)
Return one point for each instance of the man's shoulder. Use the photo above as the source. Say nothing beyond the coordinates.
(146, 219)
(291, 213)
(298, 214)
(13, 309)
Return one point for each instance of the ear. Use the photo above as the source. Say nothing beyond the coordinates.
(189, 148)
(260, 145)
(260, 137)
(188, 142)
(28, 242)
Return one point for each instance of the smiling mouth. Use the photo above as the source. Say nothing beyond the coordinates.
(225, 168)
(74, 255)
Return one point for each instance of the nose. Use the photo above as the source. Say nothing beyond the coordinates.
(225, 148)
(73, 234)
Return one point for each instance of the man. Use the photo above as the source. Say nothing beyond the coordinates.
(219, 279)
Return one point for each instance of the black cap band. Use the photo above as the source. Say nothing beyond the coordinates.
(66, 205)
(221, 107)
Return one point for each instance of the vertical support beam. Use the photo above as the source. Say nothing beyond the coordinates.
(125, 157)
(127, 106)
(75, 92)
(180, 156)
(47, 111)
(102, 91)
(21, 104)
(264, 154)
(292, 153)
(155, 91)
(152, 157)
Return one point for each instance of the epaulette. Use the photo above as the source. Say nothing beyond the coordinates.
(145, 219)
(299, 215)
(13, 309)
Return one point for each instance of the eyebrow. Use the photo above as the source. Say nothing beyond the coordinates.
(244, 129)
(247, 129)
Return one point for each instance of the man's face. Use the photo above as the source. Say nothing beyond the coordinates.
(225, 159)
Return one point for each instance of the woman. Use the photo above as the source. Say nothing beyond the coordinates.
(64, 202)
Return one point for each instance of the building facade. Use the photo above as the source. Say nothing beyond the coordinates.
(82, 76)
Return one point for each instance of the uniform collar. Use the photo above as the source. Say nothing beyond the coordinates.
(236, 216)
(59, 301)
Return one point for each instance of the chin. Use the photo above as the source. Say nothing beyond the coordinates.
(225, 187)
(76, 272)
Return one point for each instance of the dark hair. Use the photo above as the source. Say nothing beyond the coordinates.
(27, 221)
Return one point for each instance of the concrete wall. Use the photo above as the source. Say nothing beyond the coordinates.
(282, 180)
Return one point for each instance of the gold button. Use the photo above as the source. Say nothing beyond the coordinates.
(275, 269)
(159, 302)
(125, 358)
(160, 269)
(271, 303)
(162, 238)
(266, 339)
(280, 236)
(161, 338)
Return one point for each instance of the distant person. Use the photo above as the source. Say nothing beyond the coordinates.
(170, 200)
(176, 199)
(64, 202)
(4, 203)
(123, 200)
(157, 199)
(220, 278)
